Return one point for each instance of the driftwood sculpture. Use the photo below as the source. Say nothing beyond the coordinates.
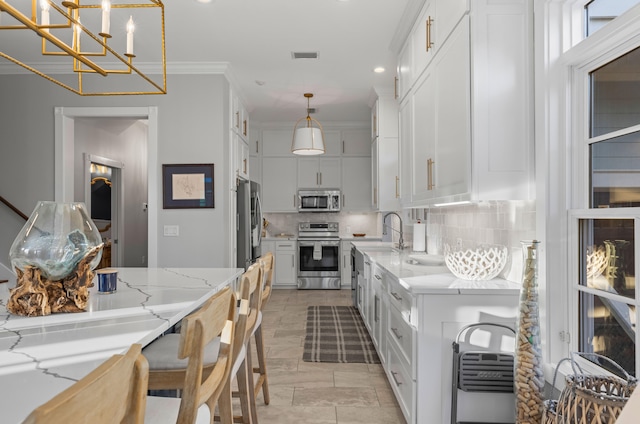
(35, 295)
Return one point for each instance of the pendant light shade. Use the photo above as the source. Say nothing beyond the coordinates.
(308, 138)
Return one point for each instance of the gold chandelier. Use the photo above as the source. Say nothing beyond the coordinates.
(88, 45)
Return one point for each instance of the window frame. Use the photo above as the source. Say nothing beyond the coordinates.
(616, 39)
(574, 286)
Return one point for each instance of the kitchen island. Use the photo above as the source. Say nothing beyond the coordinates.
(413, 313)
(41, 356)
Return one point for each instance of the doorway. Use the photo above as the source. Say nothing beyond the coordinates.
(66, 189)
(103, 197)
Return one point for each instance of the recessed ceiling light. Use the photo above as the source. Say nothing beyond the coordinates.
(378, 70)
(204, 1)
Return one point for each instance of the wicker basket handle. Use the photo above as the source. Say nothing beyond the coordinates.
(586, 355)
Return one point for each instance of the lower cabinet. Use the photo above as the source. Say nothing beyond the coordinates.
(345, 264)
(413, 334)
(285, 274)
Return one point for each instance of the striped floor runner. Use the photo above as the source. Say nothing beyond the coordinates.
(337, 334)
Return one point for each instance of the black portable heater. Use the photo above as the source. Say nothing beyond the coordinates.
(480, 370)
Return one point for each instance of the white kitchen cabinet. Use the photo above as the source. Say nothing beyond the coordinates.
(242, 157)
(378, 312)
(385, 176)
(255, 165)
(319, 173)
(404, 76)
(423, 38)
(277, 142)
(405, 149)
(356, 184)
(470, 137)
(419, 139)
(355, 142)
(286, 271)
(279, 188)
(332, 142)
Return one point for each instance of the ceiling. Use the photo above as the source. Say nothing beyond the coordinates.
(256, 38)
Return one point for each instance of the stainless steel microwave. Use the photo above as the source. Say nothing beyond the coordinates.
(318, 200)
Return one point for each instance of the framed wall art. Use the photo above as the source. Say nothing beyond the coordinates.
(187, 186)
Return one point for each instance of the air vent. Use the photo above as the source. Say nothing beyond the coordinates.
(304, 55)
(311, 110)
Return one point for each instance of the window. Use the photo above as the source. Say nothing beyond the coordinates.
(606, 285)
(598, 13)
(604, 235)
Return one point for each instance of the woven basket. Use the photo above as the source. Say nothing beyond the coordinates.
(589, 399)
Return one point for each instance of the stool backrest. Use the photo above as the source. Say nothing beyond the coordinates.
(250, 294)
(115, 392)
(216, 318)
(267, 263)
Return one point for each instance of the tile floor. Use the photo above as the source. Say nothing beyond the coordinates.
(317, 393)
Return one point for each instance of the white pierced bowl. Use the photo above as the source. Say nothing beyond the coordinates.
(481, 263)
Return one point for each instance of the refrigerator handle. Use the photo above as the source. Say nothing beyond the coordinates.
(261, 218)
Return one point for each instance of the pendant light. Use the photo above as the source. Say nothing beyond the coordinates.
(308, 139)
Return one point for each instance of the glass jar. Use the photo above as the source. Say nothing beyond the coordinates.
(529, 377)
(55, 239)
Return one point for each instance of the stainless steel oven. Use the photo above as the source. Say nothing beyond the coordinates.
(318, 255)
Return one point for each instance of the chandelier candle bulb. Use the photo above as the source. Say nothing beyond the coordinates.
(130, 28)
(106, 19)
(44, 14)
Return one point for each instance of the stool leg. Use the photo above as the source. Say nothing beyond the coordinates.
(263, 382)
(250, 389)
(225, 409)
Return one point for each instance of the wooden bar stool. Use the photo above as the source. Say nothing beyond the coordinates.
(198, 361)
(168, 370)
(267, 263)
(115, 392)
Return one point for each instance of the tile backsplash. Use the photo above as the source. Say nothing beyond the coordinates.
(287, 223)
(495, 222)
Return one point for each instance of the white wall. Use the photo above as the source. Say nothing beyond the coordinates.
(190, 130)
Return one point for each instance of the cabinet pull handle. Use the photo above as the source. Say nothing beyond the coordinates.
(395, 380)
(317, 178)
(257, 147)
(237, 119)
(376, 309)
(343, 263)
(342, 146)
(343, 202)
(320, 178)
(396, 296)
(293, 262)
(367, 263)
(294, 200)
(377, 277)
(396, 333)
(375, 125)
(395, 87)
(430, 184)
(397, 184)
(244, 127)
(429, 42)
(375, 196)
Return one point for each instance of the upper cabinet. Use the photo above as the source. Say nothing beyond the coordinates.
(239, 136)
(467, 120)
(435, 23)
(385, 176)
(356, 142)
(318, 172)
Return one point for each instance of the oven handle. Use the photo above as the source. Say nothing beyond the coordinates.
(322, 242)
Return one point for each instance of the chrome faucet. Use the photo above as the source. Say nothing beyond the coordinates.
(384, 231)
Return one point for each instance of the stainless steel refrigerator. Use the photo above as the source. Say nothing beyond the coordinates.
(248, 223)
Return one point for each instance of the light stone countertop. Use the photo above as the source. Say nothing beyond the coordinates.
(427, 279)
(41, 356)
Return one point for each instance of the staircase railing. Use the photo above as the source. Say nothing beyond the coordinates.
(13, 208)
(18, 212)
